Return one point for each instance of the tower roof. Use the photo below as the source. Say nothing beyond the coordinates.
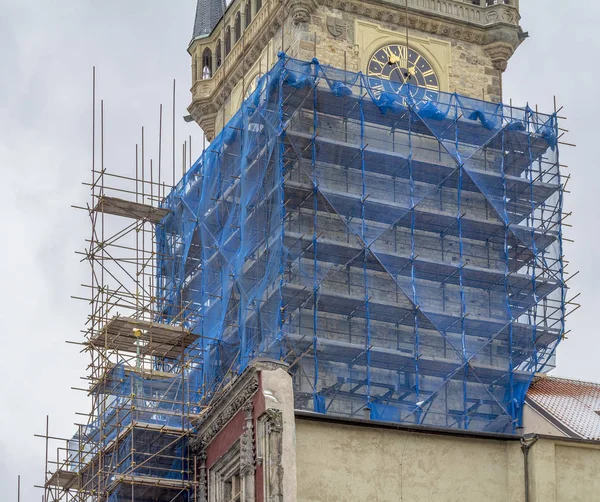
(208, 14)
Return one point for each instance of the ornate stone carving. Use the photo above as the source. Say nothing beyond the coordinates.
(273, 461)
(508, 16)
(300, 10)
(226, 413)
(499, 53)
(247, 457)
(337, 27)
(274, 420)
(491, 17)
(202, 479)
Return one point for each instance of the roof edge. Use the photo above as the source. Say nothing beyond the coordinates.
(423, 429)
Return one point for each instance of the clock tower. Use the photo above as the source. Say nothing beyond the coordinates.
(460, 46)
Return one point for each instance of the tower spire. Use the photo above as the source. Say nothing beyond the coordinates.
(208, 14)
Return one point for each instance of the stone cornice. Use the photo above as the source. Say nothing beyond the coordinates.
(449, 18)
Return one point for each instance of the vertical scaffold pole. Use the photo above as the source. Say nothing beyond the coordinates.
(563, 289)
(315, 69)
(530, 119)
(463, 303)
(281, 144)
(415, 298)
(506, 222)
(243, 310)
(364, 238)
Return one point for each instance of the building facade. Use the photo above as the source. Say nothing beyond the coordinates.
(308, 457)
(466, 43)
(365, 266)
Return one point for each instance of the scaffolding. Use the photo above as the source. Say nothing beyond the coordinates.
(400, 248)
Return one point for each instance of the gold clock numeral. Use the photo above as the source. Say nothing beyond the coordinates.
(401, 65)
(388, 52)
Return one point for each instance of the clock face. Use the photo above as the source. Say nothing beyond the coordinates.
(392, 67)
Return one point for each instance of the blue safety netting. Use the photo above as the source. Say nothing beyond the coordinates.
(402, 253)
(401, 249)
(138, 431)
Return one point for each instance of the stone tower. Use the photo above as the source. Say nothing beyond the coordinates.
(467, 43)
(371, 214)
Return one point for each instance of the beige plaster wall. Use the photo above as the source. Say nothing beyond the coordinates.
(339, 462)
(577, 473)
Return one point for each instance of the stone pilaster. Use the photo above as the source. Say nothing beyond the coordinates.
(247, 456)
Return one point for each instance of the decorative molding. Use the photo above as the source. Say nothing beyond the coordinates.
(273, 420)
(224, 470)
(300, 10)
(499, 53)
(450, 18)
(247, 457)
(224, 409)
(202, 479)
(450, 10)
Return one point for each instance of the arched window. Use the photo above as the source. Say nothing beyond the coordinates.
(219, 54)
(227, 40)
(207, 64)
(238, 26)
(258, 5)
(248, 13)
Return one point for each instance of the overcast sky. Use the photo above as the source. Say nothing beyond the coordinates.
(48, 48)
